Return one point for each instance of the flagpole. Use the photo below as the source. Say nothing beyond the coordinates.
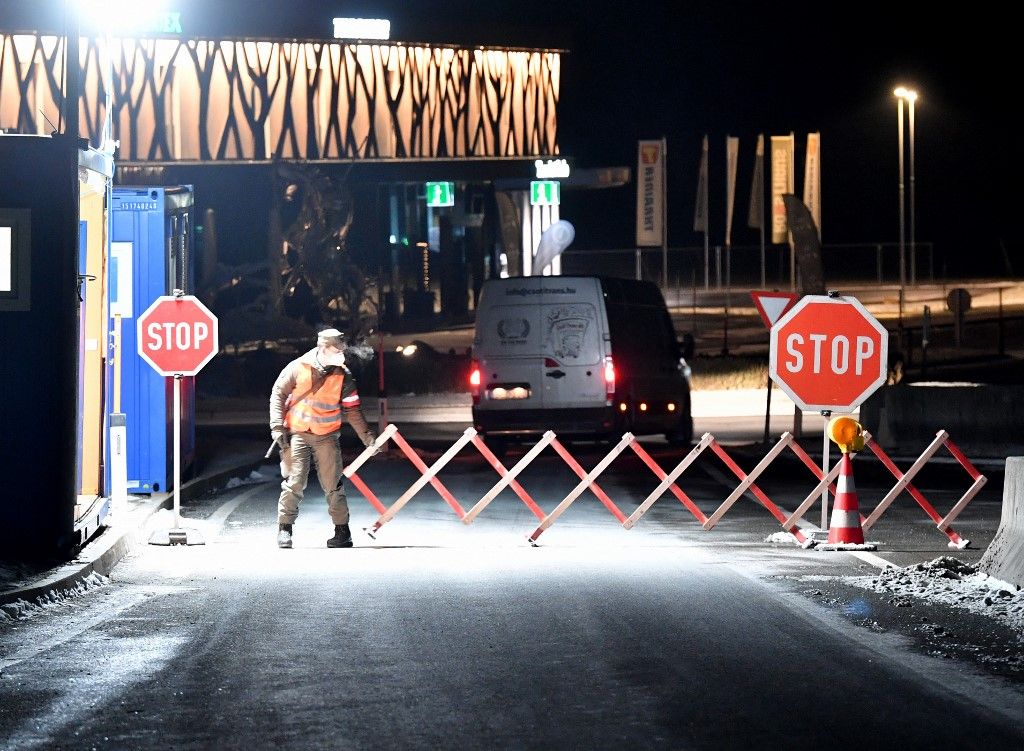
(664, 214)
(761, 222)
(764, 283)
(791, 188)
(732, 147)
(755, 214)
(707, 261)
(700, 210)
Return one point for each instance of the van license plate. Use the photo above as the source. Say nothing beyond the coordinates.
(517, 391)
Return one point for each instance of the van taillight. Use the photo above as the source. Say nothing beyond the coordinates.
(609, 378)
(474, 381)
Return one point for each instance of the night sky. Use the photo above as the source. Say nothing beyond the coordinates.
(686, 69)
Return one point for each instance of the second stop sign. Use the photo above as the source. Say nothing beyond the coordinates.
(828, 353)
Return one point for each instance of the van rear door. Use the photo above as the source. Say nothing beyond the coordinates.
(508, 347)
(540, 343)
(572, 324)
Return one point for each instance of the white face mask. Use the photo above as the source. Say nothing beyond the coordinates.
(330, 357)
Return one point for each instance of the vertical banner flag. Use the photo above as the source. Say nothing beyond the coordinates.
(732, 155)
(755, 216)
(812, 179)
(782, 182)
(700, 209)
(650, 191)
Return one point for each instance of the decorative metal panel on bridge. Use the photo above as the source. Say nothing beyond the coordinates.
(207, 100)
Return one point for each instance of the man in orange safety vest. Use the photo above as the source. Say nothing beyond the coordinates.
(310, 399)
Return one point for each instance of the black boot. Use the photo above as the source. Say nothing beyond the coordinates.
(342, 537)
(284, 535)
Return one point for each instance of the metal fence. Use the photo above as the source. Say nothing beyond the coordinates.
(743, 265)
(927, 332)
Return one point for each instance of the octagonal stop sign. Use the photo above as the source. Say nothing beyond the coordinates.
(177, 335)
(828, 353)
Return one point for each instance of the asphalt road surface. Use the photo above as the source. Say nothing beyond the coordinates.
(438, 634)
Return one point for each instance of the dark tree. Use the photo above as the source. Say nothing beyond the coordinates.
(317, 213)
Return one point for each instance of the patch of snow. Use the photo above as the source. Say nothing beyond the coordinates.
(253, 478)
(950, 581)
(846, 546)
(785, 538)
(944, 384)
(781, 538)
(19, 609)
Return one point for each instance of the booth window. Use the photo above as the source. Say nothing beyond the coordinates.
(15, 245)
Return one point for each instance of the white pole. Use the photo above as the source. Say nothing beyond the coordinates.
(824, 470)
(761, 222)
(118, 463)
(903, 261)
(118, 434)
(913, 246)
(382, 397)
(177, 450)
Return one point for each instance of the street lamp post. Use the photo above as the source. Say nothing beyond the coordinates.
(911, 98)
(903, 94)
(899, 92)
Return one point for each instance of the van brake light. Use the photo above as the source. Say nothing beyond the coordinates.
(474, 381)
(609, 378)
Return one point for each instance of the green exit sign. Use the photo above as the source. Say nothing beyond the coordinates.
(545, 192)
(440, 194)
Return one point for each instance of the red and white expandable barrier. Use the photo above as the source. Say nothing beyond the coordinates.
(903, 482)
(667, 482)
(587, 480)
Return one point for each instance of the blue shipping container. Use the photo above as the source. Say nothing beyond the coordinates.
(150, 256)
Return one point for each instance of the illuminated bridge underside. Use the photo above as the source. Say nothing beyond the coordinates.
(203, 100)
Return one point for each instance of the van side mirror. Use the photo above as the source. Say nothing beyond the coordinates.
(687, 345)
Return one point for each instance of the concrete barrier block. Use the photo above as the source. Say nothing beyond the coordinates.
(983, 420)
(1004, 557)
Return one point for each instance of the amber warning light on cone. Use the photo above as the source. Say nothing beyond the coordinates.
(846, 433)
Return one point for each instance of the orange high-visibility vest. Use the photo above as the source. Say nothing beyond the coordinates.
(319, 411)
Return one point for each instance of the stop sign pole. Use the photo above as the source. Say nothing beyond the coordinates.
(828, 353)
(177, 335)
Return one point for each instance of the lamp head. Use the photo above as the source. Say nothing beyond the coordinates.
(902, 92)
(847, 433)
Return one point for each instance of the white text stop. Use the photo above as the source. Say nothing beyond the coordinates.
(837, 353)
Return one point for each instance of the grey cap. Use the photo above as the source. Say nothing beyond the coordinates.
(330, 338)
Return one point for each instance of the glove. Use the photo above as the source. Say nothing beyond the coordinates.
(369, 439)
(280, 437)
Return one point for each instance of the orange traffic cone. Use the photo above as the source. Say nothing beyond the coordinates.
(844, 527)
